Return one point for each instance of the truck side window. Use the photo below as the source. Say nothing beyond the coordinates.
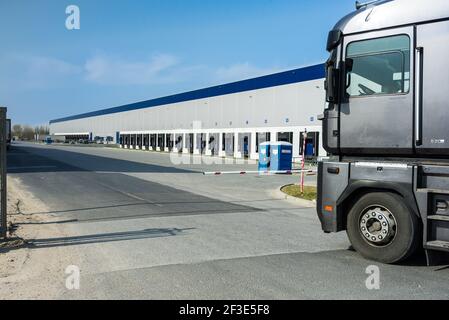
(380, 66)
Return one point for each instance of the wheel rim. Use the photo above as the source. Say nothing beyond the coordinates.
(378, 226)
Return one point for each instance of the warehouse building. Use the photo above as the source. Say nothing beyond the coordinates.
(229, 120)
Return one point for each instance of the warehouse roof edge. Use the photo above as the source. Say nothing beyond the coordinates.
(283, 78)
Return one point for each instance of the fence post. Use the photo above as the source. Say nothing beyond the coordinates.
(3, 194)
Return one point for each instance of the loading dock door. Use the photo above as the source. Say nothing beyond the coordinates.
(312, 144)
(161, 141)
(153, 142)
(169, 141)
(179, 143)
(229, 144)
(146, 139)
(189, 142)
(285, 137)
(139, 141)
(201, 142)
(245, 144)
(213, 143)
(262, 137)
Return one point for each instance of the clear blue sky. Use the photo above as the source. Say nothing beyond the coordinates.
(128, 51)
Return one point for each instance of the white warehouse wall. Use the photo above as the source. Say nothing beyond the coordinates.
(285, 108)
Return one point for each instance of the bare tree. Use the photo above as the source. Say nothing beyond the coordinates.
(28, 133)
(17, 131)
(42, 130)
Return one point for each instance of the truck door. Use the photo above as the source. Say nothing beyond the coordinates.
(432, 79)
(376, 114)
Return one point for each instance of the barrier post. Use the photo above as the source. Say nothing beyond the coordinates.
(303, 163)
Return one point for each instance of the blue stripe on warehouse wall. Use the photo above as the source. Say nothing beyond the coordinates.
(278, 79)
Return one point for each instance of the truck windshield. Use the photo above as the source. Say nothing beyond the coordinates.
(379, 66)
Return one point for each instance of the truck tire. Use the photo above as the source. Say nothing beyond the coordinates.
(381, 227)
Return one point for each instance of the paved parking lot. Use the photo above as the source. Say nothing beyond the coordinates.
(149, 228)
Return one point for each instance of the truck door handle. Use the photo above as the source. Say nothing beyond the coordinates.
(418, 95)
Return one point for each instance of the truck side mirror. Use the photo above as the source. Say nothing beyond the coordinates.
(331, 83)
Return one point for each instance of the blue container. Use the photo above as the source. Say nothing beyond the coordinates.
(264, 156)
(281, 156)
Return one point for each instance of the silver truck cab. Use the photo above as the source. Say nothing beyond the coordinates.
(386, 129)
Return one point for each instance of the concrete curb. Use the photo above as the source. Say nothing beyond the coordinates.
(279, 194)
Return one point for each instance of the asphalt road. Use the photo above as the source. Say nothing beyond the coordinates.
(149, 228)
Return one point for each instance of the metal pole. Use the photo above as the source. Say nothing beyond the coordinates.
(303, 164)
(3, 194)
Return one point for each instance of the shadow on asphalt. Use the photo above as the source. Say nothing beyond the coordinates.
(23, 160)
(105, 237)
(18, 243)
(210, 201)
(141, 216)
(416, 260)
(90, 196)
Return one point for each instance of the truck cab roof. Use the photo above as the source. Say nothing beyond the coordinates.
(392, 13)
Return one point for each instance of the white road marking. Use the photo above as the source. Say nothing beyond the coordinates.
(130, 195)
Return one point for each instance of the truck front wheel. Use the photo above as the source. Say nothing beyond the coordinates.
(382, 228)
